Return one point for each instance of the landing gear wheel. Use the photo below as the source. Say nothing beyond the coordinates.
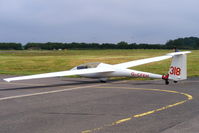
(166, 78)
(175, 81)
(103, 81)
(166, 82)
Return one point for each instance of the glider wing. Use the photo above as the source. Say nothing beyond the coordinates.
(149, 60)
(62, 73)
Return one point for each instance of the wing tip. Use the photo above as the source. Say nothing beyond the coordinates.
(7, 80)
(178, 53)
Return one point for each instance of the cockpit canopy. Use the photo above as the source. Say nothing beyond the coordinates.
(86, 66)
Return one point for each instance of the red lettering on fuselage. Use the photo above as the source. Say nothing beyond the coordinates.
(139, 75)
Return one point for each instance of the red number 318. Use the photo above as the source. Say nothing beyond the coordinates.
(175, 70)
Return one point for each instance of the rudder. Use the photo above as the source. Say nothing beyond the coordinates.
(178, 68)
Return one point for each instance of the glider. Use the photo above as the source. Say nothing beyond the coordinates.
(102, 71)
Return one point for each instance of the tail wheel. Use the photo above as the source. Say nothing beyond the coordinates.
(166, 78)
(167, 82)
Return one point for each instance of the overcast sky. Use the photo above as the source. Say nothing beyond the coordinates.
(140, 21)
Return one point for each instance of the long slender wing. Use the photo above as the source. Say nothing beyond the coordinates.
(62, 73)
(148, 60)
(141, 62)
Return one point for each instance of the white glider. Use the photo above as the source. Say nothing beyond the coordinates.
(102, 71)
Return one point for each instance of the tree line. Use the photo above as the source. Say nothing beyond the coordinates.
(11, 46)
(180, 43)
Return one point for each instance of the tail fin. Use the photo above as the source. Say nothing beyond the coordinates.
(178, 68)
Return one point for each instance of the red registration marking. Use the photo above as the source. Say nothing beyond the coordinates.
(139, 75)
(175, 70)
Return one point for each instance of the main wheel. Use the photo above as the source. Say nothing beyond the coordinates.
(103, 81)
(175, 81)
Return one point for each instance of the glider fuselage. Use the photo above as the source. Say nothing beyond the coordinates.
(118, 72)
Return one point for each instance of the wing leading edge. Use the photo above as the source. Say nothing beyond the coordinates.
(61, 73)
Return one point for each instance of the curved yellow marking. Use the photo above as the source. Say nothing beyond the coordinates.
(189, 97)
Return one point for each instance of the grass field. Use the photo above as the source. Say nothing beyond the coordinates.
(34, 62)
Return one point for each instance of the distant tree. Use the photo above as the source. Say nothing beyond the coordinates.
(184, 43)
(10, 46)
(123, 45)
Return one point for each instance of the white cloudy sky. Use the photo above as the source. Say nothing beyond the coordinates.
(140, 21)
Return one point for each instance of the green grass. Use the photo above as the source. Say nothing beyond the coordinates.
(34, 62)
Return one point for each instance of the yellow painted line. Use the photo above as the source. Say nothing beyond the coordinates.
(188, 97)
(121, 121)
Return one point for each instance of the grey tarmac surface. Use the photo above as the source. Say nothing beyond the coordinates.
(79, 105)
